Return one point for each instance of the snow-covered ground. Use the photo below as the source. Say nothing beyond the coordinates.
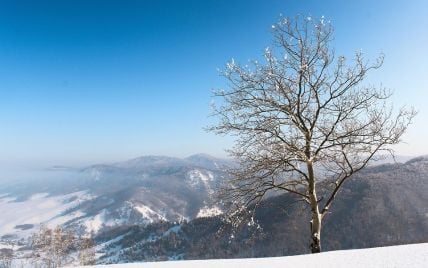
(415, 255)
(39, 208)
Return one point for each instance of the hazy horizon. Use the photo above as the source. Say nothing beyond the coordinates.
(105, 81)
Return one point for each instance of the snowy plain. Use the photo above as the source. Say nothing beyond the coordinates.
(414, 255)
(39, 208)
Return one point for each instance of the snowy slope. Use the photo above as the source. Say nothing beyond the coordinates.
(138, 191)
(415, 255)
(23, 217)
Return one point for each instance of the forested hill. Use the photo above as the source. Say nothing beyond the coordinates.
(384, 205)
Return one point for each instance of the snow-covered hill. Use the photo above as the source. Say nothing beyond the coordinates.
(138, 191)
(405, 256)
(133, 210)
(384, 205)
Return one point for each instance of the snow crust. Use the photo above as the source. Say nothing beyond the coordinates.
(415, 256)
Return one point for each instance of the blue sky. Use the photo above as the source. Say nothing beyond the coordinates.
(97, 81)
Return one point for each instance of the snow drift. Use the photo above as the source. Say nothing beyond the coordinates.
(415, 255)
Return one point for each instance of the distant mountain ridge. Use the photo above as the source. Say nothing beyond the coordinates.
(137, 191)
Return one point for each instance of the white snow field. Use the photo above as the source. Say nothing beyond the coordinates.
(414, 255)
(39, 208)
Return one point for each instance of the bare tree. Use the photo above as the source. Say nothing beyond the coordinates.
(303, 121)
(51, 247)
(6, 257)
(87, 251)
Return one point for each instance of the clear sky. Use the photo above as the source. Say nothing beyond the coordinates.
(86, 81)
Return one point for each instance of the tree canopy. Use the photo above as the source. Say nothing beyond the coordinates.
(303, 116)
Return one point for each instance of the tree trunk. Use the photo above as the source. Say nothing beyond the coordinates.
(316, 233)
(316, 215)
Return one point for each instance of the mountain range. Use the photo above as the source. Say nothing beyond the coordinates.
(138, 191)
(160, 208)
(384, 205)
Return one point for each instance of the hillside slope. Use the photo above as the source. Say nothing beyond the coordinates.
(138, 191)
(415, 256)
(385, 205)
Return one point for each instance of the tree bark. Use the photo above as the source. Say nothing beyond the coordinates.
(316, 215)
(316, 233)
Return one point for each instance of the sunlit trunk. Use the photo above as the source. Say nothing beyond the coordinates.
(315, 213)
(316, 233)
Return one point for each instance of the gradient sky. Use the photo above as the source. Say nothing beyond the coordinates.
(97, 81)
